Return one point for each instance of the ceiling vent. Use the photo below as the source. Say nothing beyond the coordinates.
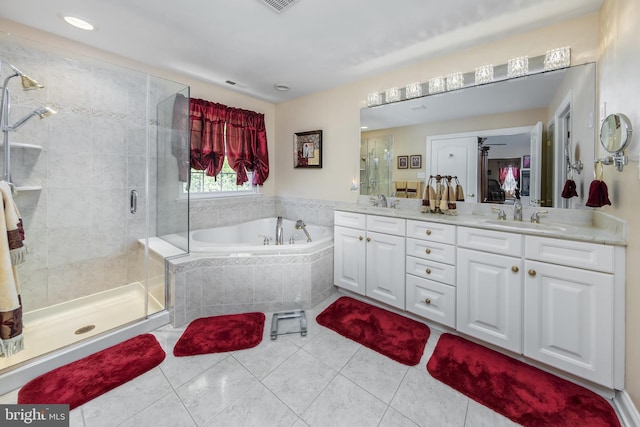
(278, 5)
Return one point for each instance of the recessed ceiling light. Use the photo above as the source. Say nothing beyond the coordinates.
(78, 23)
(281, 87)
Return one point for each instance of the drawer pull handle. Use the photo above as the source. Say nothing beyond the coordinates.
(427, 301)
(532, 272)
(360, 237)
(515, 269)
(428, 251)
(428, 232)
(428, 271)
(368, 239)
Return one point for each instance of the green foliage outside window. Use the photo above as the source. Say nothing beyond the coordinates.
(224, 182)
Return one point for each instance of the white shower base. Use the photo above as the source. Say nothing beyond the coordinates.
(51, 331)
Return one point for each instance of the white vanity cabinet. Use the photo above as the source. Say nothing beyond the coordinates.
(489, 286)
(431, 275)
(369, 255)
(349, 251)
(569, 315)
(556, 301)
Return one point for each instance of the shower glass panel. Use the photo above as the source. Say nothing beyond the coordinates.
(173, 167)
(376, 165)
(89, 269)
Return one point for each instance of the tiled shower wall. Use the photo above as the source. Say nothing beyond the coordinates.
(80, 235)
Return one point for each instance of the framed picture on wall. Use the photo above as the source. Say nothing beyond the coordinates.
(416, 161)
(403, 162)
(307, 149)
(526, 162)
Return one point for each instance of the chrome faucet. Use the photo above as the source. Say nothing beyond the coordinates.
(517, 208)
(382, 201)
(279, 232)
(535, 217)
(301, 225)
(502, 215)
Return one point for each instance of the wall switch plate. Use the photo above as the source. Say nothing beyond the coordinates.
(603, 110)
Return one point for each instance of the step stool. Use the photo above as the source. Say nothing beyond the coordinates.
(299, 314)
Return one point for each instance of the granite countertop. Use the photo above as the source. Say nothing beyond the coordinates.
(569, 224)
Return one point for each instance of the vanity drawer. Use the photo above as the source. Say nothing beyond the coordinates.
(350, 219)
(426, 269)
(431, 250)
(490, 241)
(431, 300)
(386, 224)
(570, 253)
(432, 231)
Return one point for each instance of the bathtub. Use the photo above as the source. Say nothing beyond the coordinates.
(229, 270)
(249, 237)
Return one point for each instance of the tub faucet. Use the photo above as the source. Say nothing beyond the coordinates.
(279, 232)
(301, 225)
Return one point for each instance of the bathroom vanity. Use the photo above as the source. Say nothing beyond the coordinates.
(552, 292)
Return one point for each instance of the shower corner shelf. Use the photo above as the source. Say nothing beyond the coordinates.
(20, 188)
(23, 145)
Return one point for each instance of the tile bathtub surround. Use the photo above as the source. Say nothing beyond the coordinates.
(209, 213)
(321, 379)
(203, 286)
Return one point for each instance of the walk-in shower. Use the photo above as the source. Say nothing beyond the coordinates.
(88, 280)
(376, 165)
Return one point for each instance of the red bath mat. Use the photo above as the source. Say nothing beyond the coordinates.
(520, 392)
(395, 336)
(218, 334)
(85, 379)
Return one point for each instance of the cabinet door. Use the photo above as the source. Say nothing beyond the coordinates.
(349, 259)
(489, 298)
(569, 320)
(385, 268)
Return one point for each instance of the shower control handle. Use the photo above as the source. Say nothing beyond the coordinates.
(133, 201)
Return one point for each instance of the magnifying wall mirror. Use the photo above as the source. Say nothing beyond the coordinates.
(615, 136)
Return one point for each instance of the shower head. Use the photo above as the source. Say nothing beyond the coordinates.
(43, 112)
(40, 112)
(28, 83)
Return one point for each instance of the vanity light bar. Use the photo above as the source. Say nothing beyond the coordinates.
(554, 59)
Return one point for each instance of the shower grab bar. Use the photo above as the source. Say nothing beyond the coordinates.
(133, 202)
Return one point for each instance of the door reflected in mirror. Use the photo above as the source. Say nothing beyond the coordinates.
(536, 118)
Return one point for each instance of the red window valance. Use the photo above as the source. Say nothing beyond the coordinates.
(218, 130)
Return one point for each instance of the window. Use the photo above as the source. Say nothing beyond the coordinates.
(223, 184)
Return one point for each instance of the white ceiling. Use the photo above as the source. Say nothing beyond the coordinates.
(311, 46)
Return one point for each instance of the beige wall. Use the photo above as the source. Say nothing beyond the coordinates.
(618, 68)
(199, 89)
(337, 111)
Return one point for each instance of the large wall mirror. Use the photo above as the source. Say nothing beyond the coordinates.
(525, 134)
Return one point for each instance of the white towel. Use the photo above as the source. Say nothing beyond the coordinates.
(11, 254)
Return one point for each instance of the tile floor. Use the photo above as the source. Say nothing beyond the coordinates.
(322, 379)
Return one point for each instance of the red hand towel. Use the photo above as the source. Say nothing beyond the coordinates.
(569, 190)
(598, 194)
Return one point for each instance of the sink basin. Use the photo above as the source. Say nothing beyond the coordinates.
(525, 225)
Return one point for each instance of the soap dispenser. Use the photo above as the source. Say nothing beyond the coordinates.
(517, 207)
